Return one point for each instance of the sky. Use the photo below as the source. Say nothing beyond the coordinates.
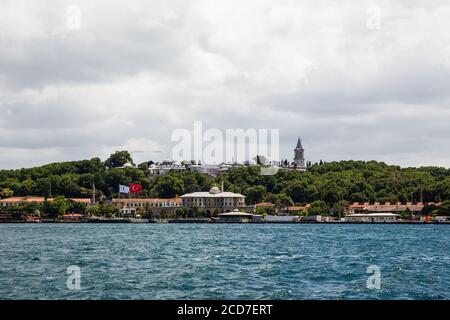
(362, 80)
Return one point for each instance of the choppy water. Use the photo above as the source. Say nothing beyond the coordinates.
(226, 261)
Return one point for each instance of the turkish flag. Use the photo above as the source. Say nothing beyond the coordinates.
(135, 188)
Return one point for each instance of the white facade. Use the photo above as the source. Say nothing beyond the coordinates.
(214, 199)
(146, 202)
(371, 217)
(280, 218)
(315, 218)
(441, 219)
(156, 170)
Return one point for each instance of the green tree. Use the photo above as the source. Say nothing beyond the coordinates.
(443, 209)
(182, 212)
(297, 190)
(168, 187)
(319, 208)
(44, 187)
(29, 187)
(107, 210)
(429, 209)
(6, 192)
(32, 207)
(265, 210)
(93, 211)
(340, 208)
(58, 207)
(255, 194)
(118, 159)
(283, 201)
(167, 214)
(77, 207)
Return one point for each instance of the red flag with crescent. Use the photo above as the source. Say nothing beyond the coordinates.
(135, 188)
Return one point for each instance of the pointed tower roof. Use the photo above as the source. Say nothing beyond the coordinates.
(299, 144)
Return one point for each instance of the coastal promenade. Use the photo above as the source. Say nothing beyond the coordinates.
(214, 221)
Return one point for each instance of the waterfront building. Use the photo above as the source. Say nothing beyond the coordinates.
(279, 219)
(214, 199)
(313, 218)
(127, 212)
(239, 217)
(441, 219)
(291, 210)
(266, 207)
(129, 206)
(31, 218)
(73, 217)
(20, 201)
(371, 217)
(398, 207)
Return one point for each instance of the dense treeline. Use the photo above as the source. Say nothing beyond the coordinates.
(353, 181)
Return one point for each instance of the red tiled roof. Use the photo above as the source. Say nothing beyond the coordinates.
(386, 207)
(146, 200)
(298, 208)
(22, 199)
(38, 200)
(265, 204)
(81, 200)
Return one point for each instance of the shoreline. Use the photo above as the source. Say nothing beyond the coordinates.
(116, 221)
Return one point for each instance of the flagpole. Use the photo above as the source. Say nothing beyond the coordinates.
(93, 192)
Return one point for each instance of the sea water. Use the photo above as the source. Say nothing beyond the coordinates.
(224, 261)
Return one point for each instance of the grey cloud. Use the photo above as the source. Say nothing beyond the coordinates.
(137, 71)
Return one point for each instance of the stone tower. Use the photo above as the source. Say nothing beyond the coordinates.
(299, 158)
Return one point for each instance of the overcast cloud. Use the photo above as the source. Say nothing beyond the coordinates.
(352, 86)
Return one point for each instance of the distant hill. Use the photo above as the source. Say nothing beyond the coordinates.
(354, 181)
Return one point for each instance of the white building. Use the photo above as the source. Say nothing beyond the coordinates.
(214, 199)
(210, 170)
(441, 219)
(129, 206)
(161, 169)
(371, 217)
(239, 217)
(313, 218)
(281, 219)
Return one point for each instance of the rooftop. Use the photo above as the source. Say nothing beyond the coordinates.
(213, 195)
(265, 204)
(147, 200)
(237, 213)
(379, 214)
(30, 199)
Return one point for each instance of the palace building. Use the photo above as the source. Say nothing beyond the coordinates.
(216, 198)
(129, 206)
(20, 201)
